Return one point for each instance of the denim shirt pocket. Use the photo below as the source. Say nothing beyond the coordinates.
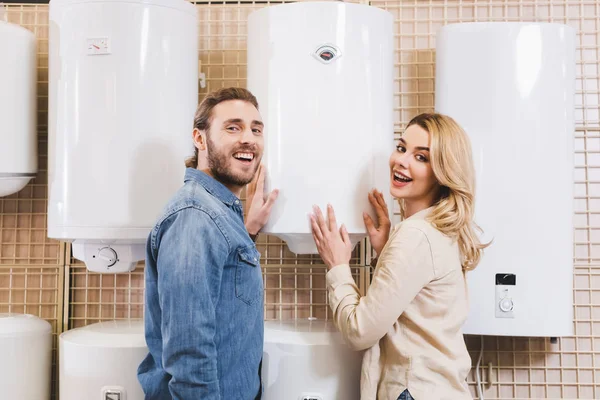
(248, 276)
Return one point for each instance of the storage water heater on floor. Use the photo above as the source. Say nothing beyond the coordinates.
(308, 360)
(18, 135)
(322, 75)
(25, 357)
(123, 89)
(511, 86)
(100, 361)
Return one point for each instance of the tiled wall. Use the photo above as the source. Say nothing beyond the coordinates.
(39, 276)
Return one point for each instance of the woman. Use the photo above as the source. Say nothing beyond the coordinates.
(410, 320)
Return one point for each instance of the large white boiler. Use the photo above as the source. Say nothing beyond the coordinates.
(25, 357)
(18, 135)
(308, 360)
(100, 361)
(123, 89)
(512, 86)
(322, 75)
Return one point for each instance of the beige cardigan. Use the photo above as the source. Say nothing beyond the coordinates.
(411, 317)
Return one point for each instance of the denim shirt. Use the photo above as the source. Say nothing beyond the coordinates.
(204, 299)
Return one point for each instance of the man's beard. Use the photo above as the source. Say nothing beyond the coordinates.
(219, 165)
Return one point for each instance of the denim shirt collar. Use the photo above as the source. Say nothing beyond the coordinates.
(212, 186)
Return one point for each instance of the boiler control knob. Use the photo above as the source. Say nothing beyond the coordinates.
(506, 304)
(108, 255)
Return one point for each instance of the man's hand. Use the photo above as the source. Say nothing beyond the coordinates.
(257, 204)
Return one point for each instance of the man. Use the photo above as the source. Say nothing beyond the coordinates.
(204, 292)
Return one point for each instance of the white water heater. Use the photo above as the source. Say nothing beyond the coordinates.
(322, 75)
(100, 361)
(308, 360)
(123, 89)
(511, 86)
(25, 357)
(18, 135)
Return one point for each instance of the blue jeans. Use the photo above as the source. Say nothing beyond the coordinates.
(405, 396)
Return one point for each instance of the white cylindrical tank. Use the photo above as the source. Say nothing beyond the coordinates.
(322, 74)
(25, 357)
(102, 359)
(123, 91)
(18, 135)
(512, 86)
(308, 360)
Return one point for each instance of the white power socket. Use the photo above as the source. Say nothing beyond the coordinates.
(113, 393)
(310, 396)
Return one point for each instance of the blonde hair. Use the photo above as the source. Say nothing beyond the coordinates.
(452, 165)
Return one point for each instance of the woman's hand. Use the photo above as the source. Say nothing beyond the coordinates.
(333, 245)
(378, 235)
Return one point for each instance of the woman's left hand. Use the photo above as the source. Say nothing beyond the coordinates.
(332, 243)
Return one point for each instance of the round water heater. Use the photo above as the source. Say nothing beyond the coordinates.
(26, 357)
(308, 360)
(18, 136)
(123, 89)
(100, 361)
(326, 96)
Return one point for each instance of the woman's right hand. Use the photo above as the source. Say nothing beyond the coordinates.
(378, 235)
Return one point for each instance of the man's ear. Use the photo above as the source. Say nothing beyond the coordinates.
(199, 139)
